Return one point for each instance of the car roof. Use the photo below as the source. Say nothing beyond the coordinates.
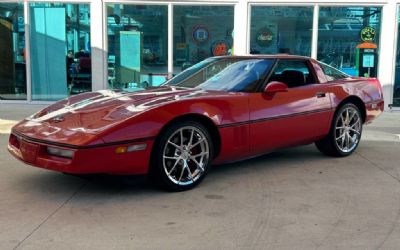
(275, 56)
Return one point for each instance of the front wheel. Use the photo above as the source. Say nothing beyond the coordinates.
(182, 156)
(345, 132)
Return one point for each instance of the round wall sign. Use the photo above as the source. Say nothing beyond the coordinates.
(367, 34)
(264, 37)
(220, 48)
(200, 34)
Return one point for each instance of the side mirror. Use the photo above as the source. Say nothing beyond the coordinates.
(274, 87)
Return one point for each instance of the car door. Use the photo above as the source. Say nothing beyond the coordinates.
(299, 115)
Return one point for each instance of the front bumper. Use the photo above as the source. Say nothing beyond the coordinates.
(86, 160)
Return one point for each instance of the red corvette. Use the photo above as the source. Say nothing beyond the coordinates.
(220, 110)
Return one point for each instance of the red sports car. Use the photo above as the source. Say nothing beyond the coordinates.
(220, 110)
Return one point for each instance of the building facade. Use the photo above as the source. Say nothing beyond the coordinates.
(53, 49)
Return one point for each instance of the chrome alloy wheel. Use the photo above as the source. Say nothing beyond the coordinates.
(348, 129)
(185, 155)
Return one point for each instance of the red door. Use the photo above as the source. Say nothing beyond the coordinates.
(299, 116)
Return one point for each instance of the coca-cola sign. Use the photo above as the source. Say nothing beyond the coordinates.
(264, 37)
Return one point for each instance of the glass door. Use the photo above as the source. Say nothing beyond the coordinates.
(12, 52)
(60, 50)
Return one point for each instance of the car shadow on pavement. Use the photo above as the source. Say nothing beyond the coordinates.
(133, 185)
(291, 157)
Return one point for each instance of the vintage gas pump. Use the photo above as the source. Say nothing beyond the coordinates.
(367, 54)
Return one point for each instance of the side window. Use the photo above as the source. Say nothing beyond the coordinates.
(293, 73)
(331, 73)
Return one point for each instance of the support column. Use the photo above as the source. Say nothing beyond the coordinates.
(314, 41)
(28, 52)
(170, 40)
(98, 36)
(387, 50)
(241, 31)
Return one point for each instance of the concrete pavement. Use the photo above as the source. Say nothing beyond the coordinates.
(292, 199)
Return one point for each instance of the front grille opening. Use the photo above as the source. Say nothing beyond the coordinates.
(14, 141)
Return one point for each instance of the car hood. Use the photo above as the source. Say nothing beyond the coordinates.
(80, 119)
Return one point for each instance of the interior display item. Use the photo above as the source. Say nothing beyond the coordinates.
(264, 37)
(200, 34)
(130, 57)
(220, 48)
(48, 38)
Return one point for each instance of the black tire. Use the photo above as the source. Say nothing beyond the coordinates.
(333, 143)
(160, 165)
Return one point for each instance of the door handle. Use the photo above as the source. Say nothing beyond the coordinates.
(320, 94)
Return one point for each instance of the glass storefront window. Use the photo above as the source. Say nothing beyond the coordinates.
(281, 30)
(137, 46)
(201, 32)
(60, 50)
(348, 39)
(12, 52)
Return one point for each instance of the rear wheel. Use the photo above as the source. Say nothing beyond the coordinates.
(345, 132)
(182, 156)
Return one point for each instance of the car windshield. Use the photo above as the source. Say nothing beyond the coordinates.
(237, 75)
(190, 71)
